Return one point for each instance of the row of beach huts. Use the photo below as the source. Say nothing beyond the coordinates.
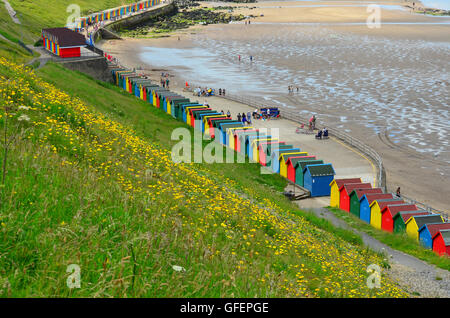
(381, 210)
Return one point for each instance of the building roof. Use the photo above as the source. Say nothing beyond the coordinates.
(286, 156)
(296, 159)
(341, 182)
(64, 37)
(349, 187)
(376, 196)
(405, 215)
(360, 192)
(433, 228)
(385, 202)
(396, 208)
(421, 220)
(303, 163)
(320, 170)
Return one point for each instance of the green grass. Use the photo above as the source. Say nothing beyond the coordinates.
(87, 183)
(398, 241)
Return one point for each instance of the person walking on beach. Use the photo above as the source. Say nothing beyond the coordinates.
(167, 82)
(239, 116)
(397, 193)
(239, 58)
(228, 113)
(220, 91)
(251, 58)
(244, 119)
(223, 92)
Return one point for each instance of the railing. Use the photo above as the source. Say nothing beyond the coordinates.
(351, 141)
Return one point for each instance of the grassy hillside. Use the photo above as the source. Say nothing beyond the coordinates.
(90, 181)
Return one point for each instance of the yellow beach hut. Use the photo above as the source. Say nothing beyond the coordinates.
(230, 133)
(417, 221)
(255, 147)
(284, 158)
(335, 185)
(377, 206)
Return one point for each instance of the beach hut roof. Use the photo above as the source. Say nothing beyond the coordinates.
(405, 215)
(433, 228)
(396, 208)
(303, 163)
(349, 187)
(376, 196)
(360, 192)
(382, 203)
(341, 182)
(319, 170)
(64, 37)
(445, 235)
(424, 219)
(296, 159)
(287, 155)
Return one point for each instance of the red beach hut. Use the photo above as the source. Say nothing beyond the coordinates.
(441, 242)
(346, 189)
(291, 165)
(388, 213)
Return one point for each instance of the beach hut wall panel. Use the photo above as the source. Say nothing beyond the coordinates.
(300, 166)
(262, 152)
(284, 158)
(365, 202)
(377, 206)
(275, 157)
(441, 242)
(335, 185)
(317, 179)
(249, 140)
(402, 217)
(356, 195)
(345, 190)
(427, 231)
(417, 221)
(388, 213)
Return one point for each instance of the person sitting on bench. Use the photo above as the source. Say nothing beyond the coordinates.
(319, 135)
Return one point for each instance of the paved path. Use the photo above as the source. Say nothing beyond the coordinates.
(11, 12)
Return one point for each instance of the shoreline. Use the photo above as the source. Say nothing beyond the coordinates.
(416, 182)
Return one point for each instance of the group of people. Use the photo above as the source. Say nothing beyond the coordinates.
(244, 118)
(165, 80)
(263, 115)
(322, 134)
(203, 91)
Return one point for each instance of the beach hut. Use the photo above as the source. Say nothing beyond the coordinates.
(214, 127)
(292, 161)
(254, 147)
(206, 121)
(209, 127)
(402, 217)
(186, 109)
(300, 166)
(172, 101)
(262, 151)
(390, 211)
(335, 185)
(345, 190)
(188, 113)
(285, 158)
(230, 142)
(317, 179)
(275, 157)
(195, 115)
(242, 137)
(63, 42)
(417, 221)
(223, 130)
(356, 195)
(201, 120)
(365, 202)
(375, 210)
(427, 231)
(180, 109)
(271, 148)
(441, 242)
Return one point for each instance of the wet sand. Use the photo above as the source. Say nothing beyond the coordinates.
(388, 87)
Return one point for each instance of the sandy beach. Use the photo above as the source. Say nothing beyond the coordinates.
(387, 86)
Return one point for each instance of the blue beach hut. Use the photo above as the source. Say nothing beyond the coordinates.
(428, 231)
(317, 179)
(275, 157)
